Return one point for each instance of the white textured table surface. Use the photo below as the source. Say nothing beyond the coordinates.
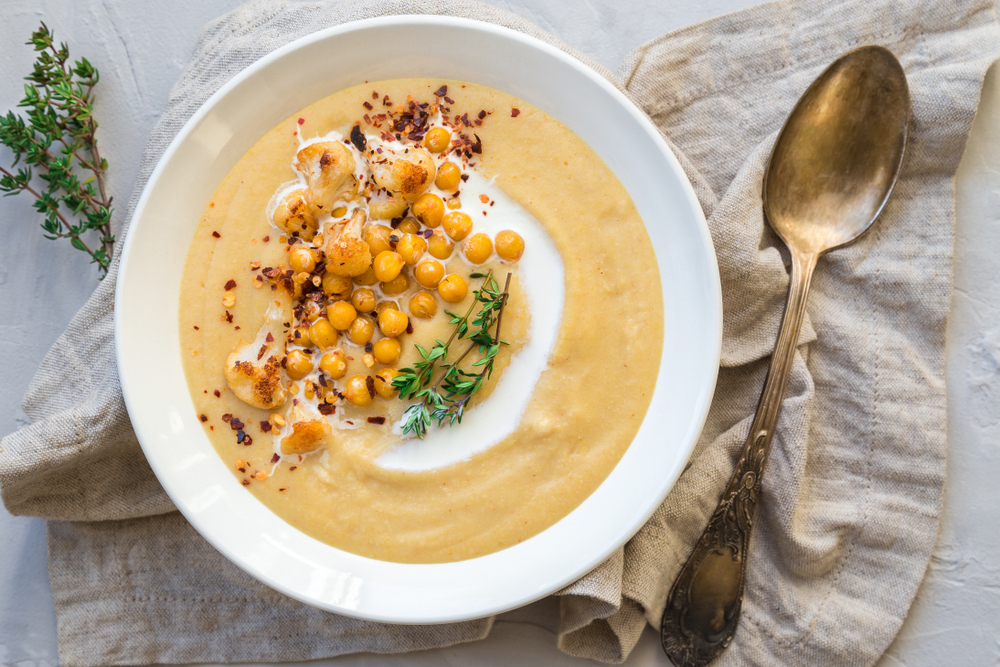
(140, 49)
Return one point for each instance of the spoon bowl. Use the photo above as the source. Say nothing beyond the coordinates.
(838, 156)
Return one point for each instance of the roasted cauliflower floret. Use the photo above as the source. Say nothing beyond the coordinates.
(347, 253)
(293, 213)
(404, 172)
(309, 430)
(328, 167)
(384, 205)
(253, 370)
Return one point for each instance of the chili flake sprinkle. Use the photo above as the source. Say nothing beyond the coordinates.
(204, 418)
(301, 121)
(230, 284)
(217, 393)
(376, 420)
(217, 235)
(514, 112)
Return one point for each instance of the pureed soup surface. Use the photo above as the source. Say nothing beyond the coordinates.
(571, 428)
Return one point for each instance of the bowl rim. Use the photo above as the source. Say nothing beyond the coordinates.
(713, 337)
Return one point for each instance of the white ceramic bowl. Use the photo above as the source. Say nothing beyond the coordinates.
(146, 327)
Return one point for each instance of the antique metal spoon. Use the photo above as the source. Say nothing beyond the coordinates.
(831, 171)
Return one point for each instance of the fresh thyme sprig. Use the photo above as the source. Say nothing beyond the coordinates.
(458, 386)
(58, 141)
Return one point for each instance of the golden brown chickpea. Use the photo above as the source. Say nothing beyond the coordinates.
(366, 278)
(429, 273)
(396, 286)
(428, 209)
(357, 392)
(301, 337)
(339, 212)
(448, 177)
(334, 364)
(411, 248)
(408, 226)
(454, 203)
(298, 364)
(452, 288)
(382, 305)
(377, 238)
(423, 305)
(341, 314)
(363, 300)
(457, 225)
(383, 382)
(387, 350)
(303, 260)
(322, 332)
(439, 245)
(361, 330)
(392, 322)
(510, 245)
(336, 287)
(436, 139)
(387, 265)
(478, 248)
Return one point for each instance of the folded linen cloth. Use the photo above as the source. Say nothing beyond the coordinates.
(853, 487)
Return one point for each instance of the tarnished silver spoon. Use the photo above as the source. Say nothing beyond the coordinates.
(831, 171)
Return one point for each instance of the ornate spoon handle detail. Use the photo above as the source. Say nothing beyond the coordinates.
(703, 608)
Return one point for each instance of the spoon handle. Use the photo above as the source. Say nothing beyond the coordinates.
(703, 608)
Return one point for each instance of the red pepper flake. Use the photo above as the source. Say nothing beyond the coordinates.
(482, 114)
(465, 177)
(246, 482)
(349, 422)
(376, 420)
(217, 235)
(370, 383)
(327, 409)
(235, 423)
(514, 112)
(369, 347)
(204, 418)
(374, 95)
(465, 120)
(196, 328)
(477, 147)
(266, 239)
(409, 327)
(367, 105)
(386, 102)
(226, 417)
(217, 394)
(275, 458)
(442, 91)
(241, 436)
(228, 317)
(485, 199)
(270, 337)
(230, 284)
(292, 468)
(448, 100)
(262, 352)
(265, 425)
(281, 489)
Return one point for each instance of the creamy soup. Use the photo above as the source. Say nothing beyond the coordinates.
(368, 227)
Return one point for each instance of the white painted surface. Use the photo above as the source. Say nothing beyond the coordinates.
(141, 48)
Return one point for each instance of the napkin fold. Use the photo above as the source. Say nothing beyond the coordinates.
(853, 488)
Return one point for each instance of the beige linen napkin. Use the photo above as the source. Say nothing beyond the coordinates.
(853, 488)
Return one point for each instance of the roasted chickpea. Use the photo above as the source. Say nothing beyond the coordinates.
(322, 332)
(439, 245)
(478, 248)
(336, 287)
(510, 245)
(357, 392)
(387, 350)
(301, 337)
(411, 248)
(457, 225)
(436, 139)
(429, 273)
(392, 322)
(408, 226)
(361, 330)
(423, 305)
(377, 238)
(452, 288)
(383, 382)
(428, 209)
(396, 286)
(453, 203)
(341, 314)
(366, 278)
(363, 300)
(448, 177)
(334, 364)
(298, 364)
(339, 212)
(303, 260)
(387, 265)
